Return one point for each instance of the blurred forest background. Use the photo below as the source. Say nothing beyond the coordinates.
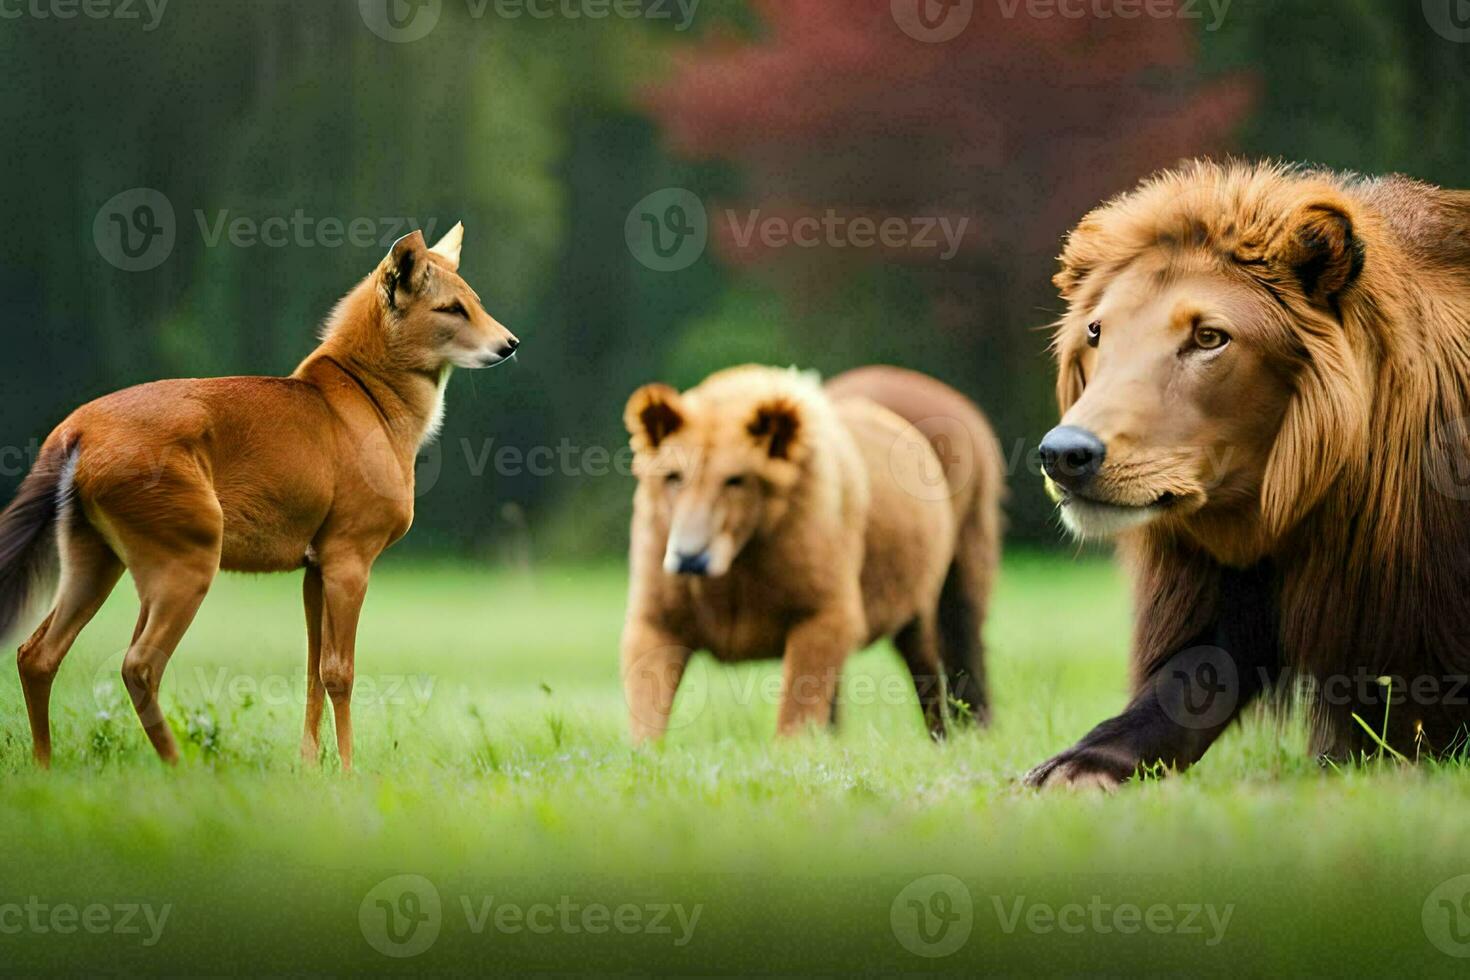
(544, 134)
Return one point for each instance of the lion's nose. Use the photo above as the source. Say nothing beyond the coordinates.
(1072, 456)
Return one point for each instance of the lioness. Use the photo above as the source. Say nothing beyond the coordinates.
(775, 518)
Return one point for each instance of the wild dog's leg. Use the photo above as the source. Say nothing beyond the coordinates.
(653, 662)
(1190, 700)
(816, 649)
(344, 586)
(170, 530)
(316, 692)
(918, 644)
(89, 571)
(170, 592)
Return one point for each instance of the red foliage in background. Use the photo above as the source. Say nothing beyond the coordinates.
(1020, 123)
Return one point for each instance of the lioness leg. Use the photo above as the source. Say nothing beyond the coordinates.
(918, 644)
(815, 652)
(653, 663)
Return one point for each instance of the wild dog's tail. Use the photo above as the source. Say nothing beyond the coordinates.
(27, 550)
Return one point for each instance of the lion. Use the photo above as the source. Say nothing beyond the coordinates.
(1264, 373)
(777, 518)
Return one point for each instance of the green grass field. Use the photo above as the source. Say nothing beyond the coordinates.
(493, 767)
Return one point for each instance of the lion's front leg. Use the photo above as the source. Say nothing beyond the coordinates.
(1142, 737)
(1188, 701)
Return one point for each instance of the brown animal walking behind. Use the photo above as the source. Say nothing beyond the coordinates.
(177, 480)
(775, 518)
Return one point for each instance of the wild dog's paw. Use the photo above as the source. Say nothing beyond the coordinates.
(1084, 767)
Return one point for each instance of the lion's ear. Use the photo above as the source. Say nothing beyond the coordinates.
(654, 413)
(1321, 250)
(777, 423)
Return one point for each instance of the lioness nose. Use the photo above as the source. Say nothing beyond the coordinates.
(1072, 456)
(694, 564)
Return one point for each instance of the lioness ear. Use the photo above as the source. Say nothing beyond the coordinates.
(404, 269)
(449, 246)
(1321, 250)
(653, 414)
(777, 423)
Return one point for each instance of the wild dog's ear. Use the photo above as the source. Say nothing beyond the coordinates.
(450, 244)
(777, 423)
(1319, 248)
(654, 413)
(403, 271)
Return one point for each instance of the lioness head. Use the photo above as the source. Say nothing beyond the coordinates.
(1202, 348)
(717, 464)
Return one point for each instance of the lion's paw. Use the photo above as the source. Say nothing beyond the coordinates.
(1081, 768)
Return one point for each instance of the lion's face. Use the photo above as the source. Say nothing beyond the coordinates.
(1216, 378)
(1179, 389)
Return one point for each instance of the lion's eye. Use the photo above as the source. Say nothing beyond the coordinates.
(453, 309)
(1208, 338)
(674, 479)
(1094, 333)
(735, 481)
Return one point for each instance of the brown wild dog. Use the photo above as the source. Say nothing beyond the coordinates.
(1264, 374)
(177, 480)
(776, 518)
